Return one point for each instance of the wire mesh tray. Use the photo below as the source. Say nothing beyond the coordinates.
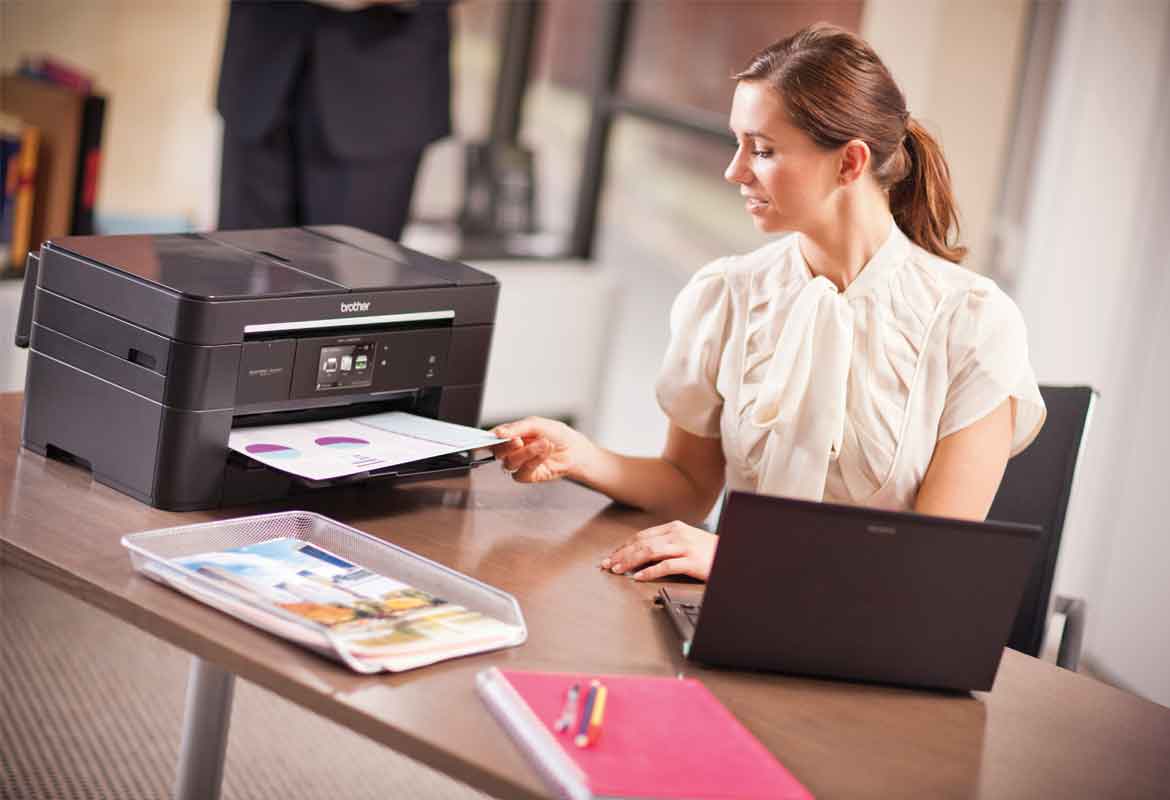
(154, 554)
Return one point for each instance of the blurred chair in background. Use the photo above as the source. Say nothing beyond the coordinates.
(1035, 489)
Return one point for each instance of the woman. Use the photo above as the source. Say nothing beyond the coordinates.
(853, 361)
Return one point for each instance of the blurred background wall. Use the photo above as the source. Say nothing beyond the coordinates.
(1053, 116)
(157, 62)
(1094, 286)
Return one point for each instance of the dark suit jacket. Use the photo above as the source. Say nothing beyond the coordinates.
(382, 75)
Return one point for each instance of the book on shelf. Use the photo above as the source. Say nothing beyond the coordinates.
(20, 150)
(9, 154)
(70, 118)
(67, 76)
(55, 70)
(89, 161)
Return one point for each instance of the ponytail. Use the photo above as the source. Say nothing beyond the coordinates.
(922, 202)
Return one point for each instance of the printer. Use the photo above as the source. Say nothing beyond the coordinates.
(145, 352)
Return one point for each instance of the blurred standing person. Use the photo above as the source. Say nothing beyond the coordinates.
(327, 108)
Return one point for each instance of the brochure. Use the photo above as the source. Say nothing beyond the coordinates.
(370, 621)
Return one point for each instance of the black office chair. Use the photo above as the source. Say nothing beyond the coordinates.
(1035, 489)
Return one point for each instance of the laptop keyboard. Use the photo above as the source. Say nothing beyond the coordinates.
(684, 615)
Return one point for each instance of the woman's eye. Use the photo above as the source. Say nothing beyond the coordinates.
(762, 153)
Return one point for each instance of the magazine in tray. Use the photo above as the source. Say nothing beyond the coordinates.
(331, 588)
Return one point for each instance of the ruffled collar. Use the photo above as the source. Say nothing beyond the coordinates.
(801, 397)
(876, 271)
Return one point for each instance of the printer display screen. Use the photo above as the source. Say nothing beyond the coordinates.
(343, 366)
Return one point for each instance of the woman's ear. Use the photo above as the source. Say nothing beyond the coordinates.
(854, 159)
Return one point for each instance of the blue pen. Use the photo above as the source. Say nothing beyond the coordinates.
(583, 727)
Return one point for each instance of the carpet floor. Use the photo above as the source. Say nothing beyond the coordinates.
(90, 709)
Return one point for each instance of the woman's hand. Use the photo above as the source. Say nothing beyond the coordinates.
(678, 548)
(541, 449)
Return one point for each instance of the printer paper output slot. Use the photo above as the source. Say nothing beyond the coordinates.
(410, 401)
(426, 469)
(392, 443)
(444, 466)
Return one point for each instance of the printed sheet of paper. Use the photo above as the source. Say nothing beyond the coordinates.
(335, 448)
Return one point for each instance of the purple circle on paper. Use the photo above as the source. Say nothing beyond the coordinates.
(272, 450)
(341, 441)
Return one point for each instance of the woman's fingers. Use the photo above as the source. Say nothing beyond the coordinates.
(641, 537)
(516, 459)
(527, 428)
(504, 448)
(538, 449)
(669, 566)
(635, 554)
(527, 447)
(535, 471)
(677, 548)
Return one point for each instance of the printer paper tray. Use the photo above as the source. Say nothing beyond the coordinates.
(156, 554)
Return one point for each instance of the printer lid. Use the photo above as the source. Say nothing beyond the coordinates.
(461, 274)
(356, 259)
(277, 262)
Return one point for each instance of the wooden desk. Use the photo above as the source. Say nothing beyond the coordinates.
(1041, 732)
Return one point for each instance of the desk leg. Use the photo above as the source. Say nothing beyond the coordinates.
(205, 729)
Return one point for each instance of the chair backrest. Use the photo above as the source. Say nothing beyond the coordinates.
(1035, 489)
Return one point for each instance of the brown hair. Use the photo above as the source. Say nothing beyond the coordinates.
(836, 89)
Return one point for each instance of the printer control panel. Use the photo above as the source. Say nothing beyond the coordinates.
(342, 366)
(275, 370)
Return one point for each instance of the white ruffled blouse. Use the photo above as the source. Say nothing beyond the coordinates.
(842, 396)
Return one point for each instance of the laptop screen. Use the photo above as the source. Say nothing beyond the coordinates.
(857, 593)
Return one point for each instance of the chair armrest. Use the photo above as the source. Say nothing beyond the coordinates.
(1071, 639)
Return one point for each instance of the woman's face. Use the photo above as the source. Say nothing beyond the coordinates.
(786, 178)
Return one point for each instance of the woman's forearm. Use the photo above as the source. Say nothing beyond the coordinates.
(652, 484)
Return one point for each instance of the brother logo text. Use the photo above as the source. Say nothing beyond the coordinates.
(356, 305)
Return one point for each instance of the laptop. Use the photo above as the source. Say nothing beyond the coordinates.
(856, 593)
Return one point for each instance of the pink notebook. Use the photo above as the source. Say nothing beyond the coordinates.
(661, 738)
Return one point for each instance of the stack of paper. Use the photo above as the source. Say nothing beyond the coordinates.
(372, 618)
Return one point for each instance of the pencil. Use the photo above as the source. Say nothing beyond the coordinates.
(598, 713)
(582, 737)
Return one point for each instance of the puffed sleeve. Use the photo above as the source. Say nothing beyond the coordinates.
(987, 354)
(699, 323)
